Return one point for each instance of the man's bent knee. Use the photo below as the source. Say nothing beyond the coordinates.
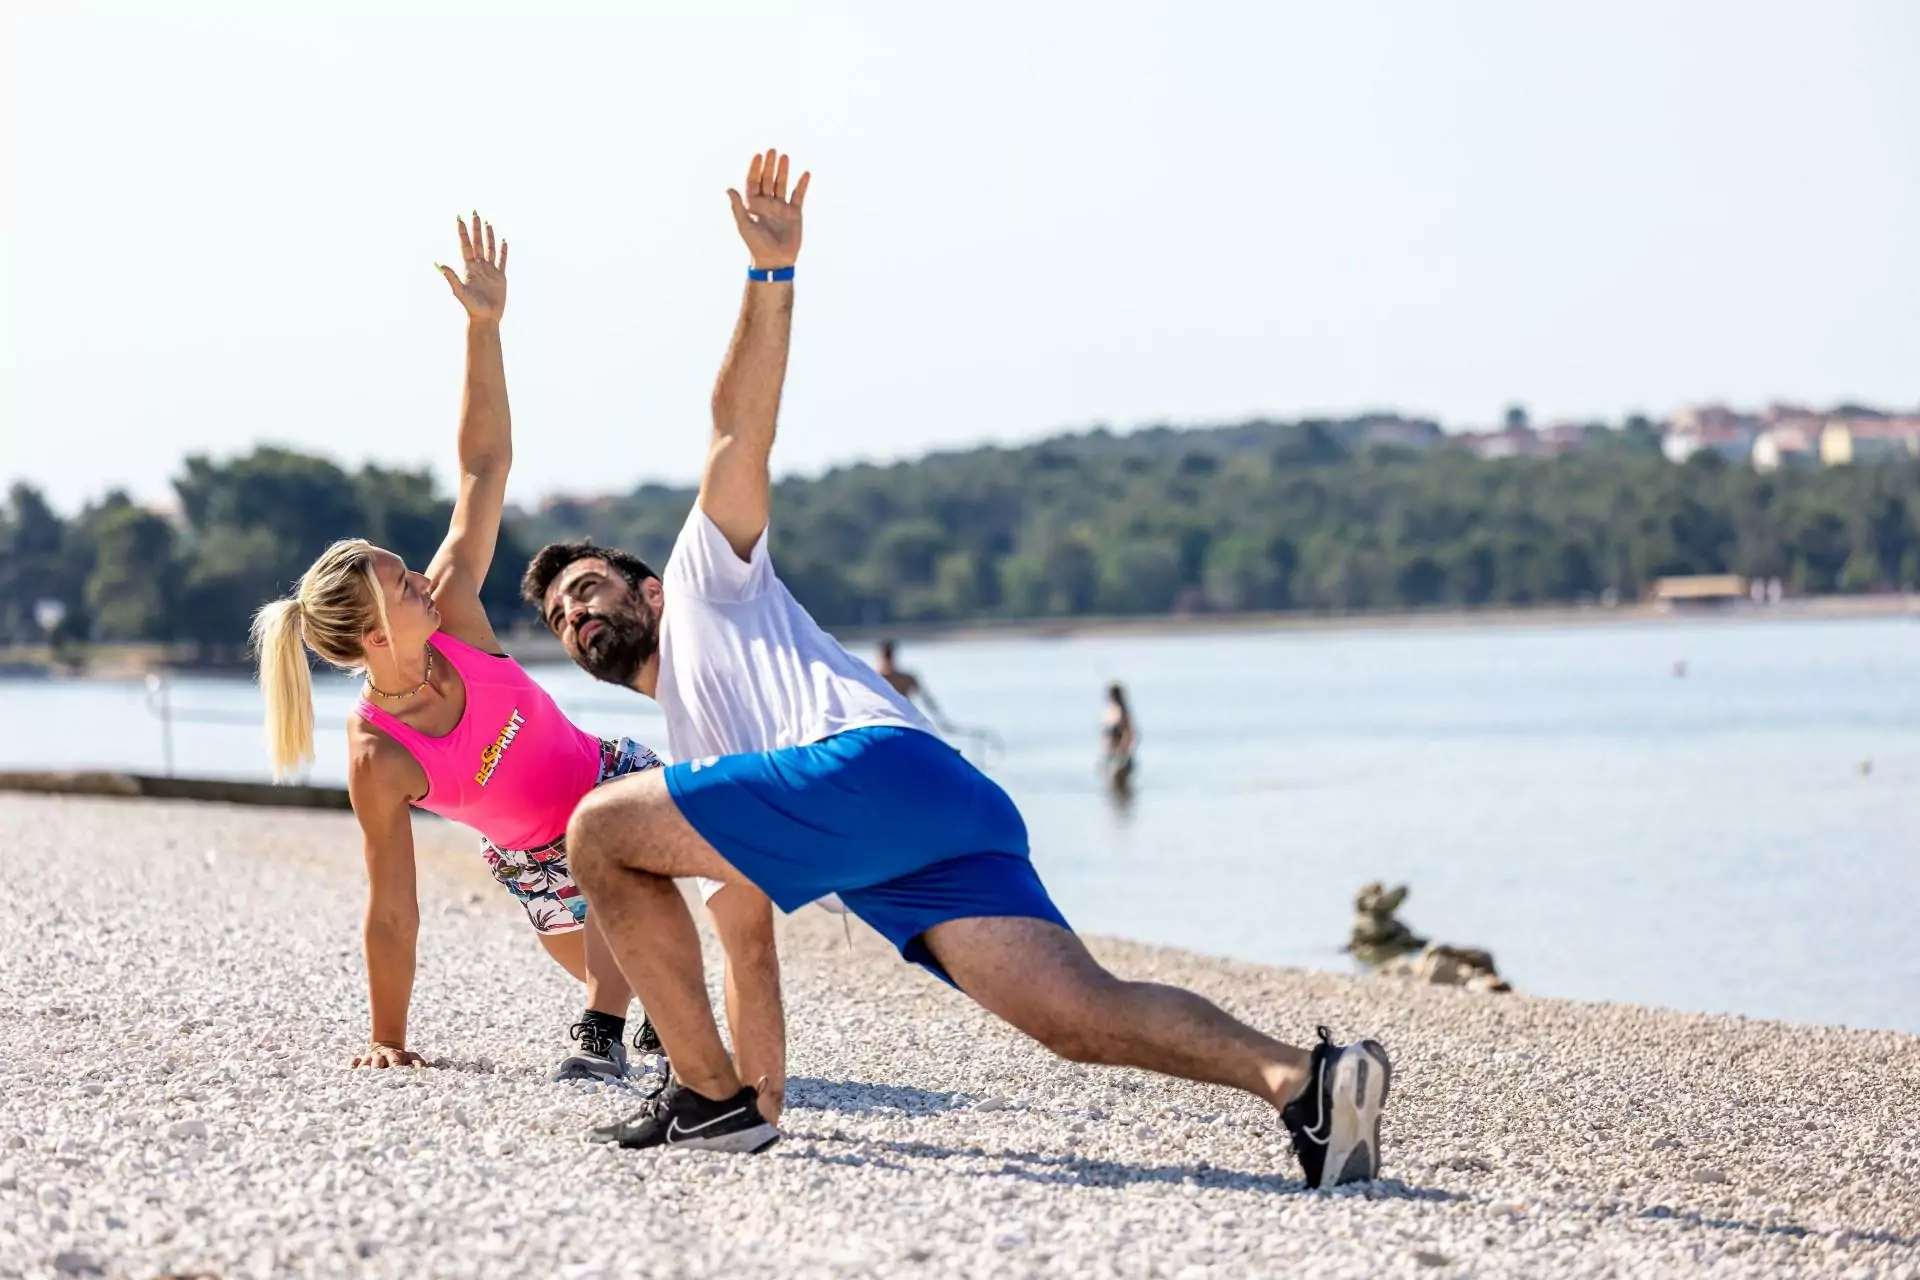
(587, 833)
(605, 822)
(633, 824)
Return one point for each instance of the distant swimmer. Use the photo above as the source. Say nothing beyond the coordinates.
(1118, 736)
(908, 685)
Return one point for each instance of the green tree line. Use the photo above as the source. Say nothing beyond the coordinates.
(246, 529)
(1291, 517)
(1260, 516)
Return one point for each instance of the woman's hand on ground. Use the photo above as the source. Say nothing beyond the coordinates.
(389, 1055)
(482, 290)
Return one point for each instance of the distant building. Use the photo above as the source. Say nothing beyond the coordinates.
(1792, 435)
(1697, 417)
(1786, 446)
(1710, 427)
(1844, 441)
(1699, 588)
(1782, 414)
(1733, 443)
(1562, 438)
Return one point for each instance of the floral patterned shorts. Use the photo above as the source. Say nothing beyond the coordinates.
(539, 877)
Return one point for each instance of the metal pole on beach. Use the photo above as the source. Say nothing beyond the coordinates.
(158, 698)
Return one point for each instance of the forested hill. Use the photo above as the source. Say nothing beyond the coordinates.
(1371, 512)
(1310, 515)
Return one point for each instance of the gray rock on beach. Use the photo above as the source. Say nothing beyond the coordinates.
(1448, 966)
(217, 1008)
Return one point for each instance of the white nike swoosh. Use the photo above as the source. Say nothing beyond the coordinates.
(674, 1131)
(1320, 1096)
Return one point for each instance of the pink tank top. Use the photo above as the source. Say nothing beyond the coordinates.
(514, 767)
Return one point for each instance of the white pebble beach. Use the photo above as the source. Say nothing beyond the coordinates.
(183, 989)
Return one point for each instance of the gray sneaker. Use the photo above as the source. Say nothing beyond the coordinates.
(1336, 1123)
(600, 1057)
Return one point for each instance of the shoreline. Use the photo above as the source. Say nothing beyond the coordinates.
(429, 828)
(1525, 1135)
(1818, 608)
(134, 661)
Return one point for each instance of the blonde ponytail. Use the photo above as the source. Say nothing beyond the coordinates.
(286, 684)
(336, 603)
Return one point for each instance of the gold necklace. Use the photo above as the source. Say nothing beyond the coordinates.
(378, 692)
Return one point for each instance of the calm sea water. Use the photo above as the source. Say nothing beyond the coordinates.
(1742, 839)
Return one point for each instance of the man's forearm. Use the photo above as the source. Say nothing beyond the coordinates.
(746, 396)
(743, 917)
(486, 425)
(759, 1023)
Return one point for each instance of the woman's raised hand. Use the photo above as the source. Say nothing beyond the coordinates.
(482, 288)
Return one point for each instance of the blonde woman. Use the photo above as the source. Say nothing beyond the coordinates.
(446, 721)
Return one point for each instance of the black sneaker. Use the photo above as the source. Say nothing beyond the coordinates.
(646, 1041)
(600, 1057)
(676, 1116)
(1336, 1123)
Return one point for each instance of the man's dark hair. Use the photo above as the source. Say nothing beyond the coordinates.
(551, 559)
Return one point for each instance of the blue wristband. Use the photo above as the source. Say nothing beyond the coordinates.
(769, 274)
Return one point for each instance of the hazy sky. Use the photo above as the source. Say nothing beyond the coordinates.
(220, 226)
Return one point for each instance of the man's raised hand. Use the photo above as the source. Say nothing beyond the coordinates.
(769, 220)
(483, 288)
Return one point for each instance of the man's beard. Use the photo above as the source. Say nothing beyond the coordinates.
(619, 648)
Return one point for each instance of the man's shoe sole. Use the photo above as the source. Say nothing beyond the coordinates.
(744, 1142)
(581, 1069)
(1361, 1079)
(740, 1142)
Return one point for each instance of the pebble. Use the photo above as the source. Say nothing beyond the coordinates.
(1525, 1136)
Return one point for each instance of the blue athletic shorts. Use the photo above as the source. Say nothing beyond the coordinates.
(893, 820)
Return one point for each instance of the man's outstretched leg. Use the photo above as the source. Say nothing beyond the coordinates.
(629, 843)
(1040, 978)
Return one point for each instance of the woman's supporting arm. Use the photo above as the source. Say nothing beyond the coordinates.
(393, 908)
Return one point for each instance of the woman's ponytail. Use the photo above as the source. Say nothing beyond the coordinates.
(286, 684)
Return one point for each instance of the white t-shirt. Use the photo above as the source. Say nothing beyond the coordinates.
(744, 668)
